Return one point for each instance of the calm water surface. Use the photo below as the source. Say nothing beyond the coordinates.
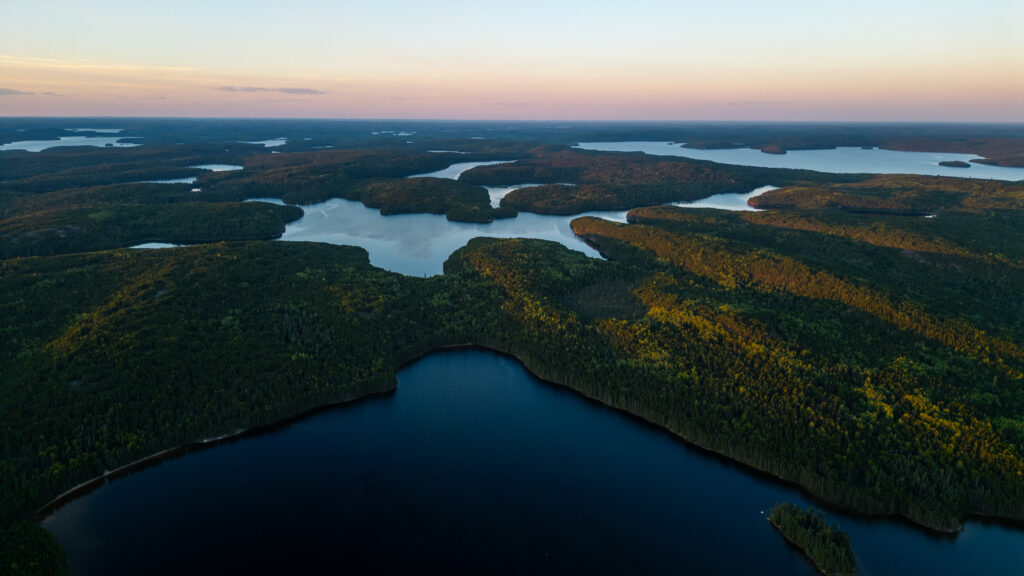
(188, 180)
(837, 160)
(97, 130)
(218, 167)
(154, 246)
(40, 145)
(473, 466)
(496, 193)
(455, 170)
(192, 179)
(271, 143)
(418, 244)
(731, 202)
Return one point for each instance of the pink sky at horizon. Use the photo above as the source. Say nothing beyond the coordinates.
(659, 61)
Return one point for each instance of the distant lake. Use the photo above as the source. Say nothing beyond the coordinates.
(474, 466)
(732, 202)
(496, 193)
(418, 244)
(192, 179)
(218, 167)
(271, 143)
(455, 170)
(153, 246)
(837, 160)
(393, 132)
(40, 145)
(97, 130)
(188, 180)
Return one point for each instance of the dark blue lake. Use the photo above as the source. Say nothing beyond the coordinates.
(473, 465)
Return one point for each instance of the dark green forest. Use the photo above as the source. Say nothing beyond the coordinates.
(827, 547)
(863, 337)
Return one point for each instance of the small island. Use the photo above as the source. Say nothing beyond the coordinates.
(826, 546)
(954, 164)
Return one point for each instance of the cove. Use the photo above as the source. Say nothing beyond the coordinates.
(218, 167)
(455, 170)
(418, 244)
(731, 202)
(835, 160)
(473, 465)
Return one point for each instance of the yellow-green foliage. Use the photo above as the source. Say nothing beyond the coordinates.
(845, 343)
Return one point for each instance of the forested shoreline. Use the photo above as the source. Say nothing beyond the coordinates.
(841, 341)
(826, 546)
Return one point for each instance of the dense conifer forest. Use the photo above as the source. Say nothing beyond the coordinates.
(863, 337)
(826, 546)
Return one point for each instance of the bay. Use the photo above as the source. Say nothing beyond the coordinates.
(473, 465)
(835, 160)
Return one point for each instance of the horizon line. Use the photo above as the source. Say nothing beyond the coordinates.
(514, 121)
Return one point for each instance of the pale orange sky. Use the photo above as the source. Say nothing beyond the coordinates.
(515, 60)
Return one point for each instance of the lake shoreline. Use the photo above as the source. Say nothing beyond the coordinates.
(760, 473)
(833, 160)
(162, 456)
(159, 457)
(792, 544)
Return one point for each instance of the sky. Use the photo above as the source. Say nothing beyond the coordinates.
(800, 60)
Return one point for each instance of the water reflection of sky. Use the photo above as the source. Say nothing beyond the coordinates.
(218, 167)
(733, 202)
(40, 145)
(836, 160)
(418, 244)
(455, 170)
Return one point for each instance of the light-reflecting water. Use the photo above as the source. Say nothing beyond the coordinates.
(455, 170)
(474, 466)
(153, 246)
(189, 180)
(418, 244)
(838, 160)
(218, 167)
(40, 145)
(97, 130)
(271, 143)
(496, 193)
(732, 202)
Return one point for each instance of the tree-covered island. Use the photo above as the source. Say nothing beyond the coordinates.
(826, 546)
